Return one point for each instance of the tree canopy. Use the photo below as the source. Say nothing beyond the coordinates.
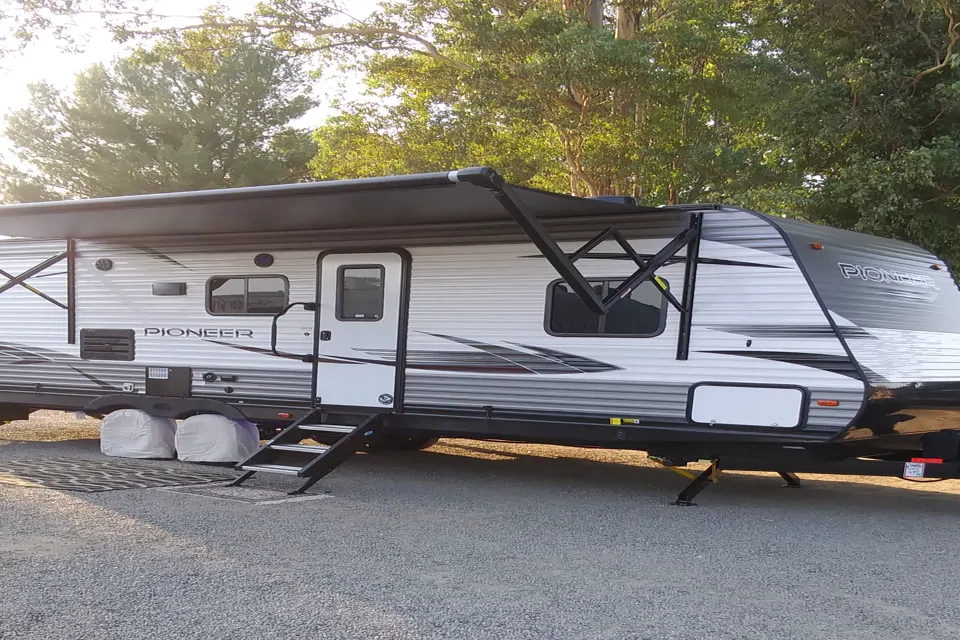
(844, 112)
(168, 118)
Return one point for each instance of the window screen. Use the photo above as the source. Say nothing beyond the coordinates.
(641, 315)
(360, 292)
(247, 295)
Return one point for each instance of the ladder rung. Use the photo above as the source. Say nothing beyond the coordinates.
(332, 428)
(272, 468)
(300, 448)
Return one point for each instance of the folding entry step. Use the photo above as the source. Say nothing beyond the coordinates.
(309, 461)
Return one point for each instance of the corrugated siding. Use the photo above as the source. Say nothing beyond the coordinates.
(493, 294)
(34, 330)
(24, 316)
(122, 298)
(908, 333)
(496, 295)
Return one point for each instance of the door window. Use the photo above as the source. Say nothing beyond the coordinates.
(360, 293)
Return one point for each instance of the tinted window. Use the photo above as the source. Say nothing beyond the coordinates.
(247, 295)
(642, 314)
(360, 293)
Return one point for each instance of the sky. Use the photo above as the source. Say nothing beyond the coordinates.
(46, 61)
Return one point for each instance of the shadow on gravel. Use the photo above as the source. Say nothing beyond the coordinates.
(13, 448)
(491, 470)
(503, 469)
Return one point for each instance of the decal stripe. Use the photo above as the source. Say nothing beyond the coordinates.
(789, 331)
(826, 362)
(162, 256)
(486, 359)
(673, 260)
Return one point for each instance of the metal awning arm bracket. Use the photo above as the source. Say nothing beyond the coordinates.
(564, 264)
(534, 229)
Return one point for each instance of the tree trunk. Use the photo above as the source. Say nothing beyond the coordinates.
(595, 14)
(626, 26)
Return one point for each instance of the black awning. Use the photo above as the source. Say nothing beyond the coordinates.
(370, 202)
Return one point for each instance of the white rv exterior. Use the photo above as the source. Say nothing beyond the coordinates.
(476, 325)
(459, 320)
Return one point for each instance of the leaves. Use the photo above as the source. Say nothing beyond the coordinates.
(178, 116)
(846, 113)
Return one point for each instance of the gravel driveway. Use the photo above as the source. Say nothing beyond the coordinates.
(477, 541)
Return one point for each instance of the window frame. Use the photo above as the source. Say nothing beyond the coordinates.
(208, 293)
(338, 307)
(548, 310)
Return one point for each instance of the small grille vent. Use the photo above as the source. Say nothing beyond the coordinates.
(107, 344)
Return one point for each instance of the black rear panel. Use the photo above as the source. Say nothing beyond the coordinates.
(897, 307)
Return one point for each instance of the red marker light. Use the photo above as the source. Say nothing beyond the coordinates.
(936, 267)
(816, 246)
(828, 403)
(284, 415)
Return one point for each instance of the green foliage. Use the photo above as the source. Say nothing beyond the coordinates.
(846, 113)
(182, 115)
(651, 113)
(869, 104)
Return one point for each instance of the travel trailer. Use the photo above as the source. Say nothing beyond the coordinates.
(395, 310)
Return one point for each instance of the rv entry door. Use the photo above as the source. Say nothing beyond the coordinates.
(359, 310)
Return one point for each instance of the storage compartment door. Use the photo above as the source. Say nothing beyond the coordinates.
(752, 406)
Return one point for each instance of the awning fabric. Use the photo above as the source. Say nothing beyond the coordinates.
(365, 203)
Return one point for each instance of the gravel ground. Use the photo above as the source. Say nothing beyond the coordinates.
(477, 541)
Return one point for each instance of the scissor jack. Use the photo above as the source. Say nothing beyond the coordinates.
(700, 481)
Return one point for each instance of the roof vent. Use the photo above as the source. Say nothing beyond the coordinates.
(616, 199)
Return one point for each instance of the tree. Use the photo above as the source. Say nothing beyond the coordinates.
(634, 94)
(868, 113)
(639, 98)
(179, 116)
(840, 112)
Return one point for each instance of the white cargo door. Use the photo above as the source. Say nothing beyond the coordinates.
(359, 323)
(747, 405)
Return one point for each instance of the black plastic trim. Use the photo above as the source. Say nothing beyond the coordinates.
(71, 291)
(162, 406)
(804, 408)
(108, 337)
(169, 288)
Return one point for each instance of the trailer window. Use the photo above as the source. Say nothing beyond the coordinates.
(360, 293)
(643, 315)
(247, 295)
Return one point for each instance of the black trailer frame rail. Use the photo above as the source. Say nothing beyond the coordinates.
(563, 263)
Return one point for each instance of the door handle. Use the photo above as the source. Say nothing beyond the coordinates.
(307, 306)
(325, 335)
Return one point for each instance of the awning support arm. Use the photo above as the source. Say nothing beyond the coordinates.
(647, 270)
(564, 264)
(689, 286)
(534, 229)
